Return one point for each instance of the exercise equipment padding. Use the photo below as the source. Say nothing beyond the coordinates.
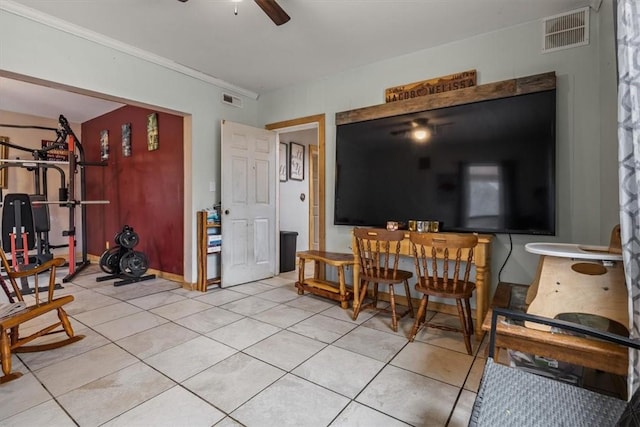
(17, 218)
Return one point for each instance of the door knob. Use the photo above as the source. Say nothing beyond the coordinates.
(226, 211)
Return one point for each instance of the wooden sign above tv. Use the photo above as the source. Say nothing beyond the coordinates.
(501, 89)
(456, 81)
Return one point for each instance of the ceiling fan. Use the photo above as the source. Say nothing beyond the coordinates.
(272, 9)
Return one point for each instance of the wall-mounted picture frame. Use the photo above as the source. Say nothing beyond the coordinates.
(284, 162)
(153, 134)
(126, 140)
(60, 153)
(104, 145)
(296, 161)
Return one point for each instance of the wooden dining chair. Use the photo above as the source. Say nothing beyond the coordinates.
(10, 339)
(379, 254)
(443, 262)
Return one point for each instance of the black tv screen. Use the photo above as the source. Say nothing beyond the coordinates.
(486, 167)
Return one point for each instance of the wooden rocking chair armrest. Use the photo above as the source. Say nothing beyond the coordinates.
(55, 262)
(34, 311)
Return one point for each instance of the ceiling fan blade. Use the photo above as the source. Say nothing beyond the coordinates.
(274, 11)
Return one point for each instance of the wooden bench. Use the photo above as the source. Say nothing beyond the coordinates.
(336, 291)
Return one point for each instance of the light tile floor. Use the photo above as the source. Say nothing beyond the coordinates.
(254, 355)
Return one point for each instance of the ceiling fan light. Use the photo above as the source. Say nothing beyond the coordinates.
(421, 134)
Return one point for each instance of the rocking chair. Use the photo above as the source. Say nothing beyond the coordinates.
(10, 339)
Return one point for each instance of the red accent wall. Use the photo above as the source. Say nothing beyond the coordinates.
(145, 190)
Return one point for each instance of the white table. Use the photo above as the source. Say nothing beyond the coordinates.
(570, 250)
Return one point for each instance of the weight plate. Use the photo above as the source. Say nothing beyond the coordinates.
(128, 238)
(133, 264)
(110, 259)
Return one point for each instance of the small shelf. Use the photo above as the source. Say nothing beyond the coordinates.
(205, 251)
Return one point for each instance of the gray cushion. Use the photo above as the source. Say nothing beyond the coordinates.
(512, 397)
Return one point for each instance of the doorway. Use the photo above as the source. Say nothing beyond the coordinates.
(314, 199)
(314, 233)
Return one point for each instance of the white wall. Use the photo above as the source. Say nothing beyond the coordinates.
(35, 51)
(586, 113)
(294, 213)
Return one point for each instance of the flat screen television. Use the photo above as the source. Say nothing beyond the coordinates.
(486, 167)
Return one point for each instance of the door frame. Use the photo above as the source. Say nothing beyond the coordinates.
(313, 170)
(318, 119)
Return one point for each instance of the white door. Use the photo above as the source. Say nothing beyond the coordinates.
(248, 203)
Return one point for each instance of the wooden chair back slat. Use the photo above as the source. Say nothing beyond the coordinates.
(13, 276)
(379, 251)
(7, 268)
(430, 250)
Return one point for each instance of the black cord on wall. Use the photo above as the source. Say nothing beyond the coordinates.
(506, 259)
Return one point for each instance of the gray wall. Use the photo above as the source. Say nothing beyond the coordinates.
(586, 109)
(587, 149)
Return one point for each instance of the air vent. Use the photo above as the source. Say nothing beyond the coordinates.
(566, 30)
(231, 100)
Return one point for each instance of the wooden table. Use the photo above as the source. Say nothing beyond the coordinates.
(585, 352)
(482, 262)
(316, 285)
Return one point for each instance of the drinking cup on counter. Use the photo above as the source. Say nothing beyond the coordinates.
(424, 226)
(392, 225)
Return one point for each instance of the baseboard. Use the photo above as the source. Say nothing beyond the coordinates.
(160, 274)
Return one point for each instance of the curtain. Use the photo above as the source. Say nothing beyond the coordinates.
(628, 47)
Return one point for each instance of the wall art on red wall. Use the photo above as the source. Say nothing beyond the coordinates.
(152, 132)
(126, 140)
(104, 145)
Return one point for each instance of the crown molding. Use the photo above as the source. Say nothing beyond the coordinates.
(76, 30)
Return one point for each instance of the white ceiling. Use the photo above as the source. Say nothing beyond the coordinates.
(26, 98)
(323, 36)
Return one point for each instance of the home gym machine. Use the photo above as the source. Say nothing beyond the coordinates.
(34, 207)
(65, 140)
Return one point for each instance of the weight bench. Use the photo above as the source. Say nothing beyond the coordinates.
(10, 339)
(512, 397)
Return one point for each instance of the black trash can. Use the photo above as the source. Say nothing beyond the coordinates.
(288, 250)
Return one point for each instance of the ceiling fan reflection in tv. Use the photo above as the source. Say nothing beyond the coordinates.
(271, 8)
(419, 129)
